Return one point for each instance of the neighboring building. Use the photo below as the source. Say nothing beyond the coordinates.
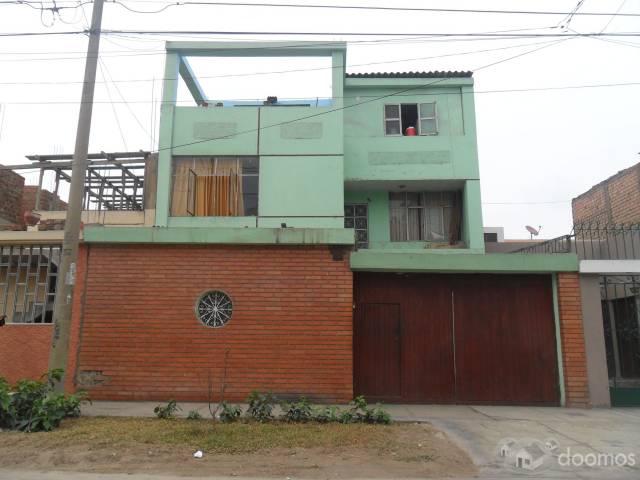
(606, 238)
(18, 200)
(613, 201)
(607, 230)
(494, 241)
(327, 248)
(11, 187)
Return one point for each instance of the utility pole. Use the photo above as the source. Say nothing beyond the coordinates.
(67, 269)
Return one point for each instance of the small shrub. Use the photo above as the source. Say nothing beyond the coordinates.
(194, 415)
(33, 406)
(299, 411)
(229, 413)
(167, 411)
(325, 414)
(361, 412)
(377, 415)
(261, 406)
(346, 416)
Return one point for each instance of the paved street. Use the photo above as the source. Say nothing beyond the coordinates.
(587, 435)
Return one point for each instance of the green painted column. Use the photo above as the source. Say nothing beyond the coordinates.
(167, 110)
(338, 59)
(472, 216)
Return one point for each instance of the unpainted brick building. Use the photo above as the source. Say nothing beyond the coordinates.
(613, 201)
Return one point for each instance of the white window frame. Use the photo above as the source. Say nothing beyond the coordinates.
(386, 119)
(433, 117)
(398, 119)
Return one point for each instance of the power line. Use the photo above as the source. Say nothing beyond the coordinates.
(231, 75)
(335, 34)
(411, 39)
(113, 107)
(551, 202)
(569, 14)
(510, 90)
(374, 34)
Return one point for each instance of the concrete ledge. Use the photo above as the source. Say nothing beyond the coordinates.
(610, 266)
(32, 237)
(385, 261)
(255, 236)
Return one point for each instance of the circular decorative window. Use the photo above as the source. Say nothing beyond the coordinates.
(214, 308)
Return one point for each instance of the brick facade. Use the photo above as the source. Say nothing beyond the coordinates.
(291, 331)
(615, 200)
(16, 199)
(572, 338)
(24, 351)
(11, 186)
(48, 200)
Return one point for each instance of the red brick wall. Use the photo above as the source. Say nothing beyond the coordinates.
(572, 336)
(48, 201)
(11, 185)
(616, 200)
(24, 351)
(291, 330)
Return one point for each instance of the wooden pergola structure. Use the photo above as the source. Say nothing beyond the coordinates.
(114, 181)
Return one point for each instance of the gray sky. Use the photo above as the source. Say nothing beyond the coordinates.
(544, 146)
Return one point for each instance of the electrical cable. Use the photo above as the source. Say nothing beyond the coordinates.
(477, 92)
(571, 13)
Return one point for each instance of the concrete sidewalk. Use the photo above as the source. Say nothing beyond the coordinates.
(480, 429)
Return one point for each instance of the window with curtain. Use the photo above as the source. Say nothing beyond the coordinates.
(425, 216)
(215, 186)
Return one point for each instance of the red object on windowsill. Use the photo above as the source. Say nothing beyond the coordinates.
(410, 132)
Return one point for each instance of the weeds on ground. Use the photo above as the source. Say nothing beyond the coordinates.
(167, 411)
(33, 406)
(261, 406)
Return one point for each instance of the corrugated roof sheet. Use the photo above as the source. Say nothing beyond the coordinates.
(433, 74)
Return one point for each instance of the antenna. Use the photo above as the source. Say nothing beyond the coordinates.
(533, 231)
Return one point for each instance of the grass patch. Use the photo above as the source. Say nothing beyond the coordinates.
(213, 437)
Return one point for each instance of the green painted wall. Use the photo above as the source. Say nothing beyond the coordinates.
(300, 148)
(382, 162)
(380, 233)
(370, 155)
(232, 130)
(301, 191)
(300, 130)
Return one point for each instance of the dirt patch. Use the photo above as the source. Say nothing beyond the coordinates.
(122, 445)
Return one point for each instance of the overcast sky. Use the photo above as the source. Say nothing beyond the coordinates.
(537, 149)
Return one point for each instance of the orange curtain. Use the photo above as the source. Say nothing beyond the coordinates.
(219, 194)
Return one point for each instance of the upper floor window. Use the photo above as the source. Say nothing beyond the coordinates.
(425, 216)
(410, 119)
(215, 186)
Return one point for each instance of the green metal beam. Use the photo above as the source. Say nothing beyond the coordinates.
(255, 236)
(457, 260)
(196, 90)
(256, 49)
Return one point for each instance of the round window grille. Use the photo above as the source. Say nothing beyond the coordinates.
(214, 308)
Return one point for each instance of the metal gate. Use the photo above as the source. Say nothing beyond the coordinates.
(620, 296)
(28, 277)
(442, 338)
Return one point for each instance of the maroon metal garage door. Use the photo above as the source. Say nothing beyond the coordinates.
(455, 339)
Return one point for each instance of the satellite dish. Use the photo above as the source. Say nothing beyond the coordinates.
(533, 231)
